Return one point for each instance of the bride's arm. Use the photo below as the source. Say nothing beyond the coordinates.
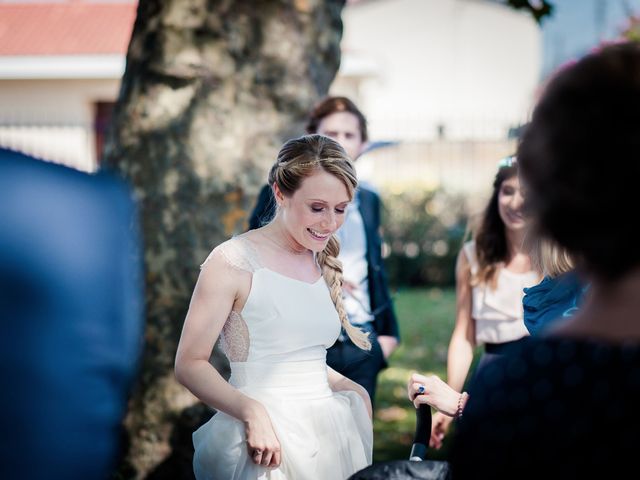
(339, 382)
(211, 303)
(213, 298)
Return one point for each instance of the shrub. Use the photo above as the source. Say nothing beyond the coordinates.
(423, 232)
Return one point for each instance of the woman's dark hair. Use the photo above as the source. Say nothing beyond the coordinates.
(580, 160)
(330, 105)
(490, 238)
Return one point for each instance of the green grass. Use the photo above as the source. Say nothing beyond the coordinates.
(426, 318)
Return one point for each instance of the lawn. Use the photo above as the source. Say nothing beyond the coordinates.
(426, 318)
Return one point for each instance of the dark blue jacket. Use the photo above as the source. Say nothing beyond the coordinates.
(385, 322)
(71, 319)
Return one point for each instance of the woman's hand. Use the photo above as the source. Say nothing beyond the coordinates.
(263, 445)
(433, 391)
(439, 427)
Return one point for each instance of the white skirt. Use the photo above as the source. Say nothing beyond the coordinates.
(323, 434)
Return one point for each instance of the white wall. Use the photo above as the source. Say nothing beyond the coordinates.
(470, 65)
(411, 65)
(53, 119)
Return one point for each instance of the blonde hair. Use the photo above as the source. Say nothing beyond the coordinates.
(549, 257)
(298, 159)
(332, 273)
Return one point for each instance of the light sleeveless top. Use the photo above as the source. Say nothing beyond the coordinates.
(498, 312)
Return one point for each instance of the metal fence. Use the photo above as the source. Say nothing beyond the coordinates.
(67, 144)
(465, 168)
(461, 167)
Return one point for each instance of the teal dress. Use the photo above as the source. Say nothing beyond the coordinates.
(551, 300)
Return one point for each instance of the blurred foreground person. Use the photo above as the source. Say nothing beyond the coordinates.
(70, 319)
(565, 404)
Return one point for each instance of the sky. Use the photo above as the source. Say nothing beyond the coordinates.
(578, 25)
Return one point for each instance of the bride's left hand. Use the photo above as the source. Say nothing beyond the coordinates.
(365, 398)
(339, 382)
(360, 390)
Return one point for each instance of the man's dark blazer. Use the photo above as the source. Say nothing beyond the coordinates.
(385, 322)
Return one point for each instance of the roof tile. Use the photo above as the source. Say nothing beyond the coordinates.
(71, 28)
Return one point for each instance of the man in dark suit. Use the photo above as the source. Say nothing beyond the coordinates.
(70, 318)
(367, 297)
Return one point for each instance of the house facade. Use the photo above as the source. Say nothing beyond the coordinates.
(444, 82)
(60, 70)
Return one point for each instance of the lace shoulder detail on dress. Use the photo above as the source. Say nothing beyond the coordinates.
(239, 253)
(234, 338)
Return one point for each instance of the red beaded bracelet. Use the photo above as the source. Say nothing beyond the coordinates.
(462, 401)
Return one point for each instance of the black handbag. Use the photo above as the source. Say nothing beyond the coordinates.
(416, 468)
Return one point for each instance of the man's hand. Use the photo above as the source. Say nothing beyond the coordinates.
(388, 344)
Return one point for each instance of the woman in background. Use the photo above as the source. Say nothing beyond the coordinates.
(491, 272)
(555, 298)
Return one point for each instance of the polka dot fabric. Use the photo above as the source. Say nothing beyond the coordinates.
(553, 408)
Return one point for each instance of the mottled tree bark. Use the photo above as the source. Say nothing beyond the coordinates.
(211, 90)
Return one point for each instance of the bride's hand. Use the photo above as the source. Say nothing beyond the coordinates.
(339, 382)
(360, 390)
(263, 445)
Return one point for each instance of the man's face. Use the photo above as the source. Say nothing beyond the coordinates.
(344, 128)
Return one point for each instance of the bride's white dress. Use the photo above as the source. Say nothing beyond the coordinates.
(277, 348)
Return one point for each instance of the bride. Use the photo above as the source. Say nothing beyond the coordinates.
(273, 295)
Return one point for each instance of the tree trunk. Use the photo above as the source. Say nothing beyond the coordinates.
(211, 90)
